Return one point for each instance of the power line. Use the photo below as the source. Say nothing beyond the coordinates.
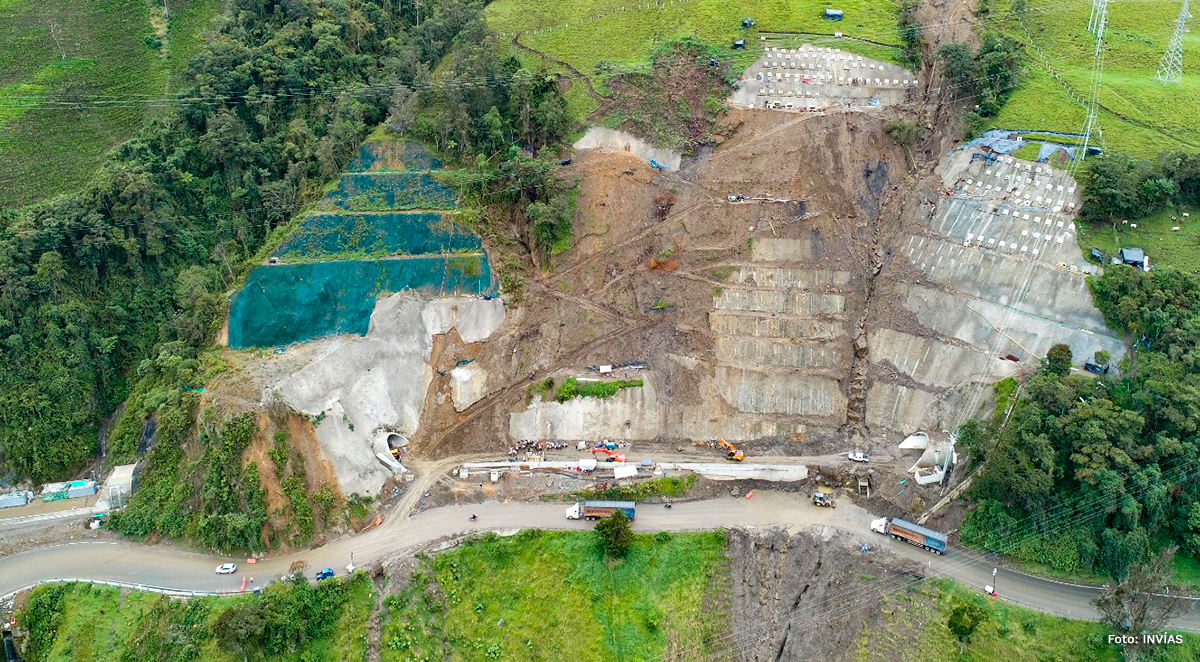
(1097, 76)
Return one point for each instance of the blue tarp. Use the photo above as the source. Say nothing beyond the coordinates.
(999, 141)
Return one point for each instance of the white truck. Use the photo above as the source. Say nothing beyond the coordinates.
(593, 510)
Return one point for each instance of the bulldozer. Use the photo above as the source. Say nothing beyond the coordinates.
(732, 454)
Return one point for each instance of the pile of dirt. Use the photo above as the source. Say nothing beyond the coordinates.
(672, 104)
(808, 595)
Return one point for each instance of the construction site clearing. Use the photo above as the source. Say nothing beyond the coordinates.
(795, 292)
(818, 77)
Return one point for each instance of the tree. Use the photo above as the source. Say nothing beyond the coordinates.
(989, 75)
(910, 32)
(965, 619)
(905, 132)
(1142, 603)
(241, 626)
(1112, 188)
(1154, 192)
(1058, 360)
(959, 62)
(1102, 357)
(974, 439)
(616, 532)
(998, 71)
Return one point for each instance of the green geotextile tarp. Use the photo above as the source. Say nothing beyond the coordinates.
(392, 155)
(287, 303)
(407, 233)
(390, 191)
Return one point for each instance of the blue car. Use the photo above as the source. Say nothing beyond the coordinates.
(325, 574)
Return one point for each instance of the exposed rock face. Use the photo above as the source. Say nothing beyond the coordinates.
(359, 385)
(807, 595)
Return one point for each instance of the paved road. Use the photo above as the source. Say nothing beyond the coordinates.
(166, 567)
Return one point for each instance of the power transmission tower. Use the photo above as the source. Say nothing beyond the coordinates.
(1094, 17)
(1170, 69)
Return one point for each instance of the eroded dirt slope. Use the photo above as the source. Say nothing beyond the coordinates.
(808, 595)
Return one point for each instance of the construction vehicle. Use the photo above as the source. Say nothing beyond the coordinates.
(732, 454)
(593, 510)
(612, 457)
(656, 165)
(822, 499)
(913, 534)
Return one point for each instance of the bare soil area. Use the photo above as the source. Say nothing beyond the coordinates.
(306, 460)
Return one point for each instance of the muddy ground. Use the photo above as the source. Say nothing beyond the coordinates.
(605, 302)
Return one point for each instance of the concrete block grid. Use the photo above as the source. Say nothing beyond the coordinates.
(1023, 286)
(782, 302)
(781, 344)
(815, 77)
(1026, 335)
(780, 392)
(733, 323)
(1007, 205)
(1022, 232)
(977, 174)
(789, 277)
(638, 414)
(1001, 271)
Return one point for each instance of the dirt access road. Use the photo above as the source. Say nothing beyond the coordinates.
(148, 566)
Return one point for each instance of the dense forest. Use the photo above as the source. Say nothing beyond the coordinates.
(504, 124)
(1094, 473)
(1118, 186)
(121, 284)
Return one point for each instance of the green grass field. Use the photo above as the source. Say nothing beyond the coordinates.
(559, 599)
(1153, 234)
(622, 33)
(59, 53)
(1143, 117)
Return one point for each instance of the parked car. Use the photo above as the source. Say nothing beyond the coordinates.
(226, 568)
(857, 456)
(325, 574)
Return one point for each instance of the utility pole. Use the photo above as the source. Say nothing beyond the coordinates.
(1170, 69)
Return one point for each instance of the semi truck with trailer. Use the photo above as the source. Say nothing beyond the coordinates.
(913, 534)
(593, 510)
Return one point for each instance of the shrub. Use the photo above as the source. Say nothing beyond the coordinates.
(616, 534)
(573, 388)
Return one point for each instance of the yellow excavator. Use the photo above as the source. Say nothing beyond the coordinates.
(732, 454)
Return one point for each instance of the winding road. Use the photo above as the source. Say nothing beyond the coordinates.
(166, 567)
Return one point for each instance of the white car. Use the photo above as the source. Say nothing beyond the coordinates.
(226, 568)
(857, 456)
